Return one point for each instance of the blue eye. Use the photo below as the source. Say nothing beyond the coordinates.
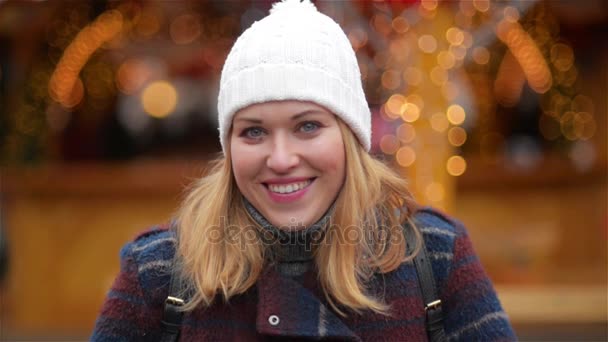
(309, 126)
(252, 132)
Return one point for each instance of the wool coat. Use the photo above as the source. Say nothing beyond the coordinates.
(282, 308)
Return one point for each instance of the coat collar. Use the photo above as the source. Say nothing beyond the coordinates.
(287, 308)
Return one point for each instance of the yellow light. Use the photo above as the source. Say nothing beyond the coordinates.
(412, 76)
(454, 36)
(457, 136)
(406, 133)
(481, 55)
(439, 122)
(435, 192)
(446, 59)
(456, 165)
(415, 99)
(456, 114)
(439, 76)
(410, 112)
(400, 25)
(389, 144)
(406, 156)
(393, 105)
(427, 43)
(391, 79)
(481, 5)
(159, 99)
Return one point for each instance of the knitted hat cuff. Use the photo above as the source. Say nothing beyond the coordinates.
(276, 82)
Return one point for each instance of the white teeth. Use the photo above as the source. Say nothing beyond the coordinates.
(289, 188)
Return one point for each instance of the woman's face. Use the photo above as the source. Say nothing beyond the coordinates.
(288, 160)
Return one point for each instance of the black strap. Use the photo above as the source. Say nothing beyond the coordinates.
(172, 315)
(426, 279)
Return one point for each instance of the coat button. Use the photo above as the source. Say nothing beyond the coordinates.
(273, 320)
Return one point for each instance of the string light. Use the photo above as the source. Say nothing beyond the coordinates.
(65, 77)
(527, 55)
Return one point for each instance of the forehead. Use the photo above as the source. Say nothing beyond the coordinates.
(280, 110)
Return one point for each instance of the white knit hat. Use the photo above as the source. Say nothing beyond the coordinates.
(295, 53)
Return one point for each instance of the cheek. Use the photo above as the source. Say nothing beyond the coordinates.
(243, 163)
(332, 158)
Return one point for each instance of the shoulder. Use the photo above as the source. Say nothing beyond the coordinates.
(442, 236)
(439, 230)
(150, 255)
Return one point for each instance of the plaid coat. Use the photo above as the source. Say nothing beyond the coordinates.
(133, 308)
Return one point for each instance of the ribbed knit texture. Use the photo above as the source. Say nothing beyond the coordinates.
(472, 312)
(295, 53)
(291, 251)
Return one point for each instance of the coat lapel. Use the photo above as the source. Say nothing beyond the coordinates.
(286, 308)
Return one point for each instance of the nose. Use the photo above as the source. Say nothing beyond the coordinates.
(283, 157)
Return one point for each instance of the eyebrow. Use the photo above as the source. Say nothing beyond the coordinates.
(293, 118)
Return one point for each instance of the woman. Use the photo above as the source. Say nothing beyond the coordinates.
(297, 232)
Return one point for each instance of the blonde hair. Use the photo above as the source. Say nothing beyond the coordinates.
(371, 206)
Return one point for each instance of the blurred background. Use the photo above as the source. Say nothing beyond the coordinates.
(495, 112)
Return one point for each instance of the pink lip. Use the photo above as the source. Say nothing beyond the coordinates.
(291, 197)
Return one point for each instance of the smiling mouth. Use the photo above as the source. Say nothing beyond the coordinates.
(289, 188)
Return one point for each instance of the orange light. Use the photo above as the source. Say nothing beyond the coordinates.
(159, 99)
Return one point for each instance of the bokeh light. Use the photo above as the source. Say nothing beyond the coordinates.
(456, 114)
(400, 24)
(406, 156)
(159, 99)
(427, 43)
(406, 133)
(456, 165)
(481, 55)
(562, 57)
(391, 79)
(457, 136)
(389, 144)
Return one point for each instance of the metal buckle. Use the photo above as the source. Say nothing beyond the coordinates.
(174, 300)
(433, 305)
